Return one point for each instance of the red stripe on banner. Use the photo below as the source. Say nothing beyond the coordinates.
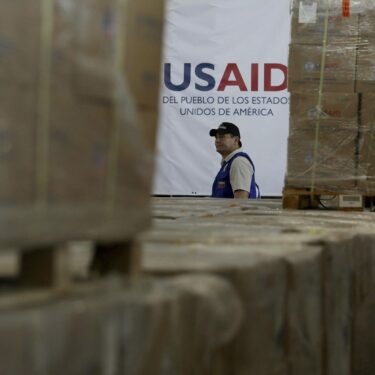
(345, 8)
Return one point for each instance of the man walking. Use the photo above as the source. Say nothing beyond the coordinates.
(236, 178)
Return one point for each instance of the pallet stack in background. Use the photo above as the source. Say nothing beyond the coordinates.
(332, 86)
(77, 77)
(366, 86)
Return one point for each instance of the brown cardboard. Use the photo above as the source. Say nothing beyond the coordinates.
(341, 30)
(149, 122)
(338, 111)
(139, 49)
(365, 80)
(17, 145)
(366, 162)
(19, 43)
(304, 72)
(334, 7)
(97, 164)
(366, 145)
(367, 111)
(79, 143)
(143, 52)
(94, 56)
(333, 153)
(367, 23)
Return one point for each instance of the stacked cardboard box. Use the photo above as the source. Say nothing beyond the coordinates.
(366, 145)
(142, 63)
(325, 156)
(366, 85)
(154, 327)
(306, 48)
(305, 68)
(73, 147)
(331, 58)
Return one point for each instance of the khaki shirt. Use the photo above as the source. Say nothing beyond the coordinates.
(241, 172)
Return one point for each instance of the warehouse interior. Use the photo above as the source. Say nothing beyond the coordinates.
(115, 256)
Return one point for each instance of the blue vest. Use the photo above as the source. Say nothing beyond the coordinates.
(222, 188)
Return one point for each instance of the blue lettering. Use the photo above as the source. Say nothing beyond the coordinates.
(167, 78)
(205, 77)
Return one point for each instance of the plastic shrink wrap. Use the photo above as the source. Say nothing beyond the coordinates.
(75, 160)
(331, 79)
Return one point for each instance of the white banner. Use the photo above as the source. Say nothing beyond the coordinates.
(223, 61)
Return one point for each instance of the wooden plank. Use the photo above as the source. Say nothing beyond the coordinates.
(45, 267)
(117, 257)
(50, 266)
(297, 199)
(303, 199)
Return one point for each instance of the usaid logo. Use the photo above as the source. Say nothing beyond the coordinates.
(312, 113)
(316, 112)
(311, 66)
(202, 77)
(308, 159)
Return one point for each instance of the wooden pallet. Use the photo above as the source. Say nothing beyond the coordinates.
(304, 198)
(48, 266)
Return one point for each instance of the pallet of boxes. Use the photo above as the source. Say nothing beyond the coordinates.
(78, 108)
(331, 155)
(75, 161)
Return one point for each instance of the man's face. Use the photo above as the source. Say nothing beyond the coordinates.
(226, 143)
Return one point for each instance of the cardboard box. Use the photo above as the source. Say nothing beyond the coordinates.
(149, 121)
(367, 112)
(304, 71)
(367, 23)
(96, 35)
(366, 145)
(79, 141)
(338, 111)
(19, 43)
(90, 149)
(140, 53)
(365, 79)
(334, 160)
(143, 53)
(17, 145)
(366, 161)
(341, 30)
(335, 7)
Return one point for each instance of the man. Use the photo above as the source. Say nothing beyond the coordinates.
(236, 178)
